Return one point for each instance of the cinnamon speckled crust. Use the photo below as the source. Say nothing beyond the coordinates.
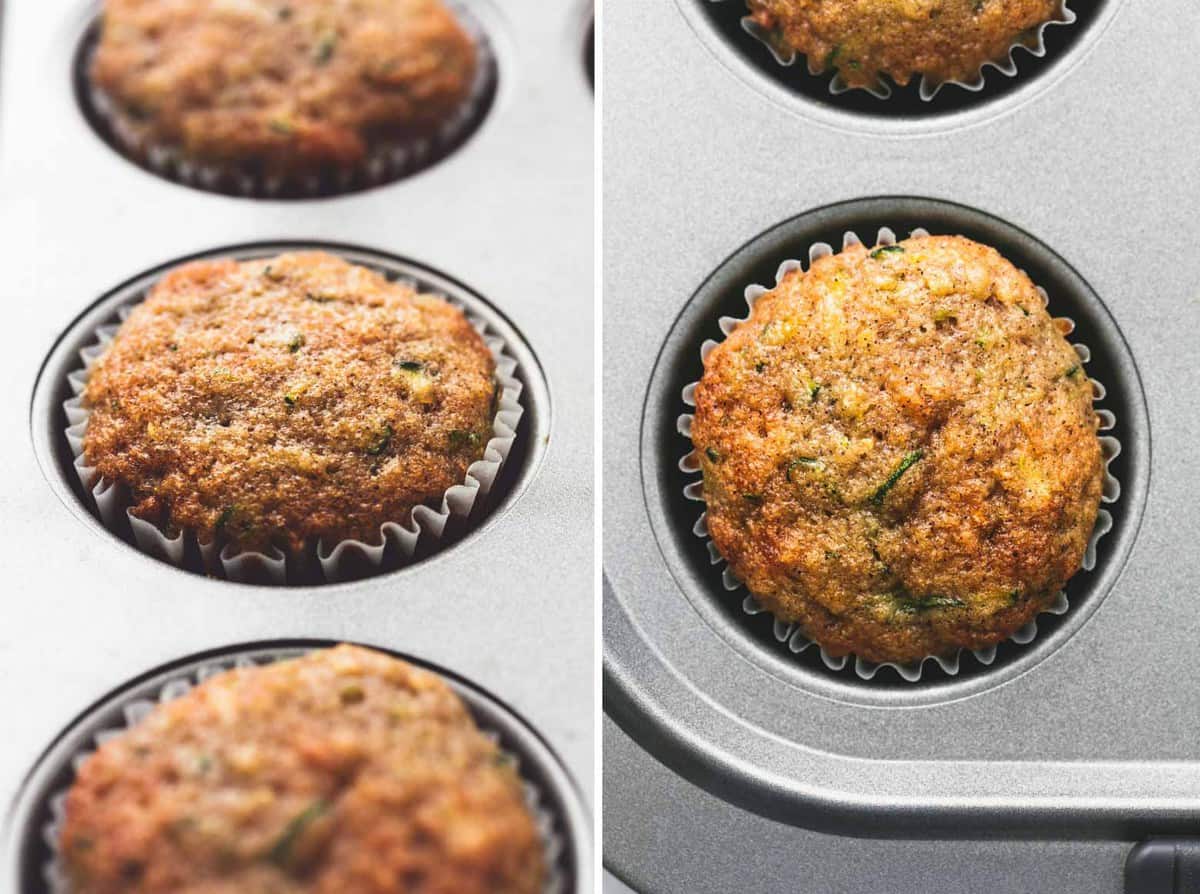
(344, 770)
(945, 40)
(900, 451)
(287, 400)
(296, 85)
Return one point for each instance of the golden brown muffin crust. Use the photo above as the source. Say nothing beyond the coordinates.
(286, 400)
(900, 451)
(945, 40)
(344, 770)
(296, 84)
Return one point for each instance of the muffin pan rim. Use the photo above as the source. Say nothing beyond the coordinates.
(46, 411)
(757, 75)
(29, 805)
(657, 467)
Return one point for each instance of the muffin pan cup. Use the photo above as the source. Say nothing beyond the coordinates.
(1033, 43)
(551, 799)
(789, 634)
(388, 159)
(333, 562)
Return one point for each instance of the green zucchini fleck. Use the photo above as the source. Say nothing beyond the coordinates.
(905, 464)
(1072, 371)
(225, 517)
(753, 499)
(296, 343)
(381, 442)
(460, 438)
(410, 365)
(915, 605)
(803, 462)
(282, 126)
(281, 851)
(712, 454)
(325, 48)
(290, 398)
(887, 250)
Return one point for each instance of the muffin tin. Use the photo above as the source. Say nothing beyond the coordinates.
(507, 218)
(715, 173)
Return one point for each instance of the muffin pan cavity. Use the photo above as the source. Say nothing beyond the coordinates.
(672, 486)
(388, 164)
(525, 405)
(725, 25)
(550, 791)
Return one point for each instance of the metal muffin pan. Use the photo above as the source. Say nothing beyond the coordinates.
(1089, 733)
(537, 763)
(509, 215)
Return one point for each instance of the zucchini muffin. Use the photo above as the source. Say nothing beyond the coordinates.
(289, 87)
(899, 450)
(943, 40)
(286, 401)
(345, 770)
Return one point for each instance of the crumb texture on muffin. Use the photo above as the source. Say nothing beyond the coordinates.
(344, 770)
(900, 451)
(283, 401)
(944, 40)
(292, 84)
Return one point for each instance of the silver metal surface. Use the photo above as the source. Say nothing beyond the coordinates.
(509, 215)
(703, 845)
(1094, 739)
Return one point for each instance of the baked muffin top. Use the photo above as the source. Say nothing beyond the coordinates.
(344, 770)
(900, 451)
(944, 40)
(285, 400)
(294, 84)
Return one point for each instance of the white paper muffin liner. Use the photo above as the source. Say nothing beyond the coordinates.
(387, 159)
(137, 710)
(1035, 45)
(337, 561)
(789, 634)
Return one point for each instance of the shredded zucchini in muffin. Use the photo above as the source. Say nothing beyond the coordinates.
(900, 451)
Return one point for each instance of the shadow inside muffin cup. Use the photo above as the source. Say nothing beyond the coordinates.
(389, 158)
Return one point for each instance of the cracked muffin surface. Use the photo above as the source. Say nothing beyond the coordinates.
(290, 85)
(343, 770)
(288, 400)
(944, 40)
(899, 449)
